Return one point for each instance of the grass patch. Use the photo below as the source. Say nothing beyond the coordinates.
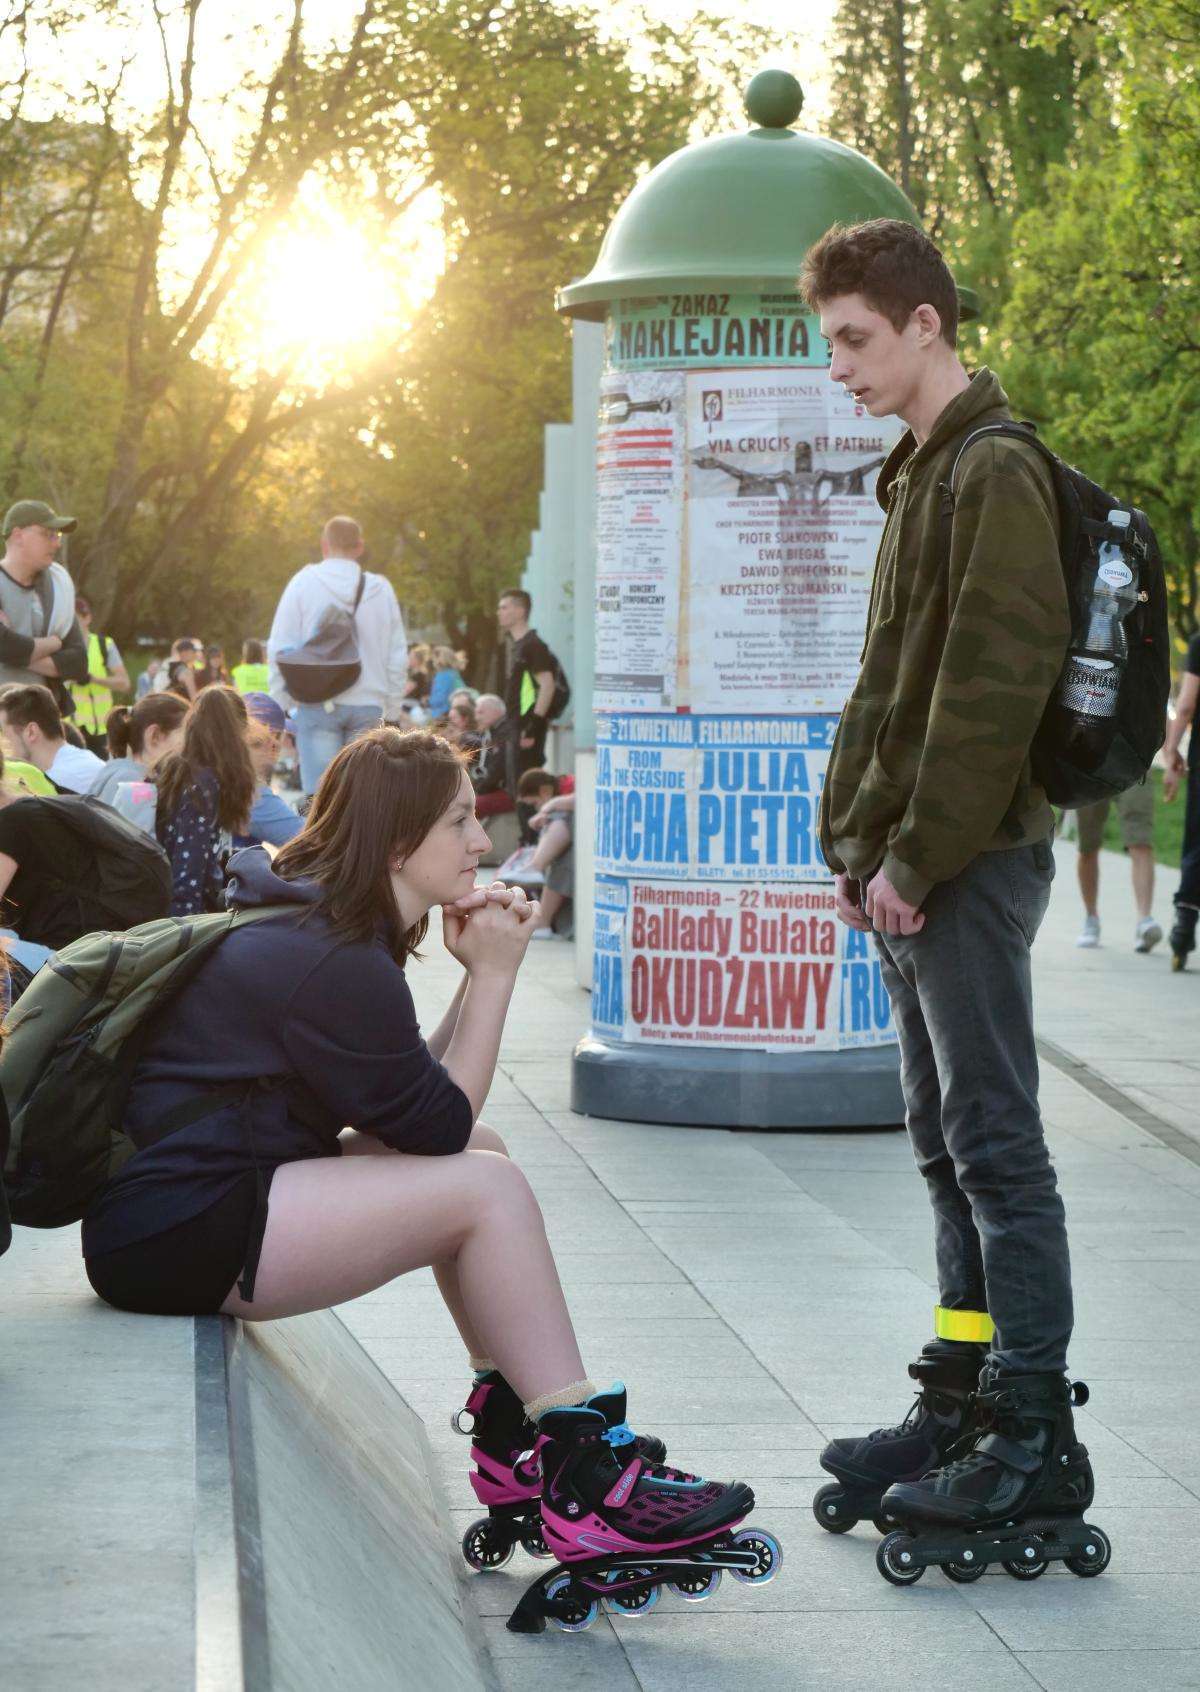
(1168, 824)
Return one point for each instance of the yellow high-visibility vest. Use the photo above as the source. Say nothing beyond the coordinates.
(251, 678)
(92, 703)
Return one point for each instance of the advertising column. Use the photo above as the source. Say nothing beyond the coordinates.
(737, 527)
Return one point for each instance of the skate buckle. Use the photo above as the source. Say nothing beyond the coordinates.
(620, 1434)
(457, 1421)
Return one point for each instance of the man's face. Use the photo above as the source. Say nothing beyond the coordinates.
(14, 739)
(36, 546)
(488, 715)
(880, 366)
(508, 612)
(84, 612)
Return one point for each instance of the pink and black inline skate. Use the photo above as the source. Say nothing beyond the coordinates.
(506, 1477)
(622, 1527)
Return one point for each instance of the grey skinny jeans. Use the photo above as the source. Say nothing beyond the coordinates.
(962, 1000)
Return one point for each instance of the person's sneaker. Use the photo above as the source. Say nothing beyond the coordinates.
(1147, 935)
(542, 934)
(1089, 935)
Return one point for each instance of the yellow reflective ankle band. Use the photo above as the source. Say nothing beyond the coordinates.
(974, 1325)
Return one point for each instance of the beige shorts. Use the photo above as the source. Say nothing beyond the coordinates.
(1135, 813)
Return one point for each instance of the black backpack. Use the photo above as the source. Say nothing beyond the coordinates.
(561, 696)
(92, 870)
(1137, 726)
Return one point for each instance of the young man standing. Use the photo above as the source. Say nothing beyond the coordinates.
(940, 840)
(529, 677)
(106, 675)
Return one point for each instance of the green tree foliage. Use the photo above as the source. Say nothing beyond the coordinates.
(200, 474)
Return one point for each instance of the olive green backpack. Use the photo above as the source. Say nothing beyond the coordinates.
(72, 1041)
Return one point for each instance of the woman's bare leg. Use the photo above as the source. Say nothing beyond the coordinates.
(445, 1274)
(338, 1228)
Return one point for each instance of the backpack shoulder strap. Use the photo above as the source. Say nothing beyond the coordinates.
(362, 582)
(1018, 431)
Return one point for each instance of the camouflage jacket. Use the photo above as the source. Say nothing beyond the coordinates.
(931, 761)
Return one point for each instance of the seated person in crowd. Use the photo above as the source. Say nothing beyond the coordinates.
(139, 738)
(446, 681)
(494, 770)
(551, 864)
(34, 733)
(460, 723)
(205, 794)
(273, 822)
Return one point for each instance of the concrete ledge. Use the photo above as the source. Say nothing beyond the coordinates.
(705, 1088)
(343, 1577)
(202, 1503)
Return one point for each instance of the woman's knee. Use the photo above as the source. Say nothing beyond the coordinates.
(484, 1138)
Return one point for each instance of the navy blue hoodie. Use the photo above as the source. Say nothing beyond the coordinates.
(328, 1022)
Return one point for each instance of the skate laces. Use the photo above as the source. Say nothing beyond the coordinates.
(898, 1429)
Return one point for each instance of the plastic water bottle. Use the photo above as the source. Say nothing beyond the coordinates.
(1091, 679)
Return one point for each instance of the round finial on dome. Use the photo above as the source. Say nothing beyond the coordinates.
(774, 99)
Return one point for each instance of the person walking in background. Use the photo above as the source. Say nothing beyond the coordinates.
(33, 732)
(530, 677)
(1187, 897)
(139, 738)
(93, 698)
(205, 792)
(1135, 813)
(253, 674)
(40, 637)
(337, 601)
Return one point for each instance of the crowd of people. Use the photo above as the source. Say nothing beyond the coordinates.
(201, 757)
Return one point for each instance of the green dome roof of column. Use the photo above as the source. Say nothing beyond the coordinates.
(737, 212)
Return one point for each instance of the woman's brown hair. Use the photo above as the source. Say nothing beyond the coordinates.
(214, 738)
(127, 725)
(377, 800)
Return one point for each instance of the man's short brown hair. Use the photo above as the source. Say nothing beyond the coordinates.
(22, 705)
(892, 264)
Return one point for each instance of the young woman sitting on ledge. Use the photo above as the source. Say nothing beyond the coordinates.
(265, 1205)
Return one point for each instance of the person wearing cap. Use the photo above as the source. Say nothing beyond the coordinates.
(41, 641)
(273, 822)
(106, 675)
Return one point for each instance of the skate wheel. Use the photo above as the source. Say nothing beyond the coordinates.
(885, 1524)
(694, 1589)
(1031, 1569)
(895, 1562)
(486, 1545)
(963, 1573)
(533, 1540)
(1094, 1558)
(770, 1556)
(637, 1600)
(830, 1508)
(579, 1614)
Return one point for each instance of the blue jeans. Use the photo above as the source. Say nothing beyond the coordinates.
(962, 1001)
(322, 731)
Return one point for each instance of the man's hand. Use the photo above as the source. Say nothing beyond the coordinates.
(1172, 776)
(846, 894)
(887, 911)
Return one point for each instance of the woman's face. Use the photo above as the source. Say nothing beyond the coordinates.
(443, 866)
(458, 719)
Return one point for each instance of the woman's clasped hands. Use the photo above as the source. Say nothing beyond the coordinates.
(490, 928)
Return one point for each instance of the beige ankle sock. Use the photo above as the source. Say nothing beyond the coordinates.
(481, 1365)
(565, 1399)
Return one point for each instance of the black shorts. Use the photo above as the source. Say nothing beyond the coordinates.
(188, 1270)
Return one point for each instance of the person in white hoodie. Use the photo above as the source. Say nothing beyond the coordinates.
(322, 730)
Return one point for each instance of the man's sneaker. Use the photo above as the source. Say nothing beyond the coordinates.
(1090, 933)
(1147, 935)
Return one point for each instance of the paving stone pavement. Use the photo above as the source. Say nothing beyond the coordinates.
(760, 1292)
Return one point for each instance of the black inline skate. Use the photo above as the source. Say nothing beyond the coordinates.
(623, 1528)
(505, 1476)
(1016, 1495)
(1182, 939)
(864, 1468)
